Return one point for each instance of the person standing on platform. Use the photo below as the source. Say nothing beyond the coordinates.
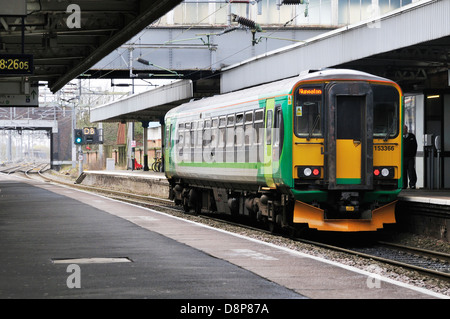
(409, 159)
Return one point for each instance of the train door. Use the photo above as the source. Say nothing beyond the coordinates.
(350, 136)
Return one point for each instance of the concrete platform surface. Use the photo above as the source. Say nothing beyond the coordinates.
(168, 257)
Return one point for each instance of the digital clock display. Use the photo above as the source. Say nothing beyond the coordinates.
(16, 64)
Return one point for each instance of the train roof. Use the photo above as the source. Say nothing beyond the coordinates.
(270, 89)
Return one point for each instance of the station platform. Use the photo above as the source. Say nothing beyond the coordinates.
(58, 242)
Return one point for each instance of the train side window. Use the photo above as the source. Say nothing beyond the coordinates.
(239, 118)
(222, 128)
(192, 134)
(259, 125)
(199, 137)
(187, 134)
(214, 131)
(248, 128)
(215, 122)
(207, 133)
(180, 134)
(269, 127)
(278, 126)
(230, 130)
(239, 131)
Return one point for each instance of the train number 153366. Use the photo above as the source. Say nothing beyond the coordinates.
(384, 147)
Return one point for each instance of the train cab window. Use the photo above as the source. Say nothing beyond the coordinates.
(307, 110)
(385, 111)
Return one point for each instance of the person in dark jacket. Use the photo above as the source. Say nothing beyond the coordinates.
(409, 158)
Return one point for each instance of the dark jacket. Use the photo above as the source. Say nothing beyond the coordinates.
(409, 145)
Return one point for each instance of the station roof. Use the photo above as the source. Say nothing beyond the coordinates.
(151, 105)
(63, 49)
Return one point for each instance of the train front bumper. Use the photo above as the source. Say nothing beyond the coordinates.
(314, 217)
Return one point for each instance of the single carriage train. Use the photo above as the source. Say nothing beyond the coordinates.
(323, 149)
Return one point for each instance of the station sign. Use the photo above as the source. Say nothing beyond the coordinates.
(20, 100)
(16, 64)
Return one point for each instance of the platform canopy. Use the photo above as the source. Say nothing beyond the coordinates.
(150, 106)
(66, 38)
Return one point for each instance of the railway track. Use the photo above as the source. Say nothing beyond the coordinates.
(425, 261)
(428, 262)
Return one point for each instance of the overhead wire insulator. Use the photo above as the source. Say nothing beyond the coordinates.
(246, 22)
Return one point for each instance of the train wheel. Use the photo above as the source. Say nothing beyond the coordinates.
(273, 227)
(186, 207)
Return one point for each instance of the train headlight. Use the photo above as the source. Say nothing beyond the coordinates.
(384, 172)
(309, 171)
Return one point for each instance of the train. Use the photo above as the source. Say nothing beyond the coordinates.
(322, 150)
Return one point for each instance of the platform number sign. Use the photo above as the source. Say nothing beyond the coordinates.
(89, 134)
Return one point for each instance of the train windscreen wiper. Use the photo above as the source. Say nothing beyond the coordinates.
(391, 127)
(316, 121)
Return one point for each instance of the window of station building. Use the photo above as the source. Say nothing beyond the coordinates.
(307, 111)
(385, 111)
(389, 5)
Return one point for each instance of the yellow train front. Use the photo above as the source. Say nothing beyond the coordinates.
(347, 152)
(323, 149)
